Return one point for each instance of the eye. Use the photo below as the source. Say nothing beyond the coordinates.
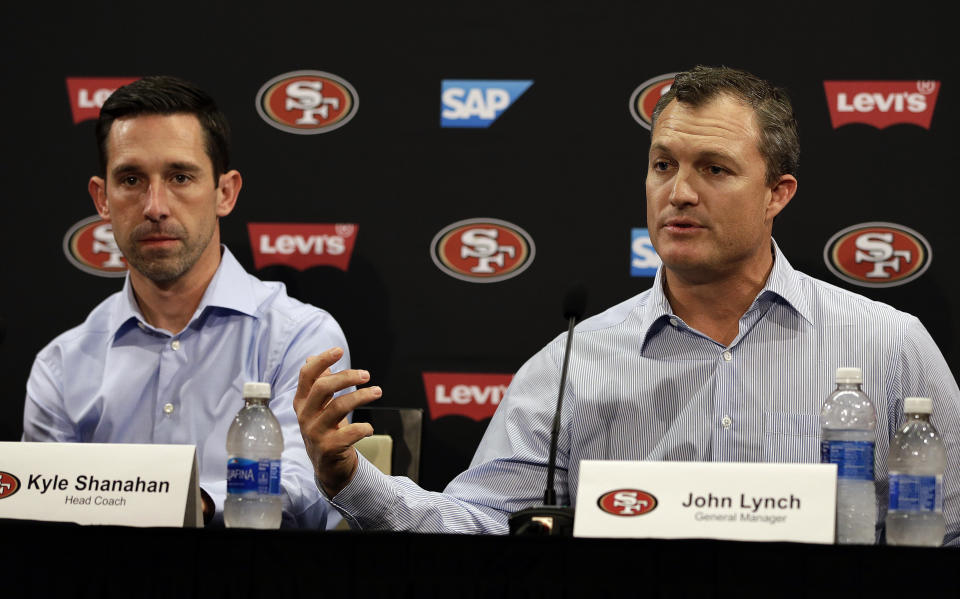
(713, 169)
(181, 178)
(129, 180)
(660, 165)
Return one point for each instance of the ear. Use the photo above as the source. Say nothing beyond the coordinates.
(228, 189)
(780, 195)
(98, 192)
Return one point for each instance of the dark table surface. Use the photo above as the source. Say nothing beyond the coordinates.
(41, 559)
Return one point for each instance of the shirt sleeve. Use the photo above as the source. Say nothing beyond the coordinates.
(317, 333)
(507, 473)
(925, 373)
(44, 418)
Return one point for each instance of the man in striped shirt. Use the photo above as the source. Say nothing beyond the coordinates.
(727, 357)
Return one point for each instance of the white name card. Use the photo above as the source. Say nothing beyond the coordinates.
(707, 500)
(100, 483)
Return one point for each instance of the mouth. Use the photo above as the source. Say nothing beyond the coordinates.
(681, 225)
(157, 240)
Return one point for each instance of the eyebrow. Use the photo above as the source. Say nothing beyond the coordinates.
(707, 155)
(122, 169)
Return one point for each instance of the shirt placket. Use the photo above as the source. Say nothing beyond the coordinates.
(724, 423)
(168, 405)
(734, 420)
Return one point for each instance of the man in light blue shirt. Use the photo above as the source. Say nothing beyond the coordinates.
(728, 357)
(165, 359)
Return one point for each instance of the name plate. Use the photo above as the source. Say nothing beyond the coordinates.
(707, 500)
(100, 483)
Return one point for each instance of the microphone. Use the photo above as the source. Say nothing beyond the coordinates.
(551, 519)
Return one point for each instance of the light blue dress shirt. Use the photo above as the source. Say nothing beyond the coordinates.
(642, 385)
(116, 379)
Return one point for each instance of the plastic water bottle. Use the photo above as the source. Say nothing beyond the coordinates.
(848, 424)
(254, 445)
(917, 461)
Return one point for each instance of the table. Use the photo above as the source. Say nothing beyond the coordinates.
(65, 560)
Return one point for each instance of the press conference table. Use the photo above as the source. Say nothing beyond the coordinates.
(41, 559)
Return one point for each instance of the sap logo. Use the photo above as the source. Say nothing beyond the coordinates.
(644, 260)
(90, 246)
(475, 396)
(307, 102)
(644, 99)
(302, 245)
(87, 94)
(475, 102)
(627, 502)
(881, 103)
(877, 254)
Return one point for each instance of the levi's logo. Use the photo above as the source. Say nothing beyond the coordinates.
(87, 94)
(881, 103)
(302, 245)
(473, 395)
(627, 502)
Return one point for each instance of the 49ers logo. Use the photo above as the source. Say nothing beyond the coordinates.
(482, 250)
(877, 254)
(307, 102)
(644, 99)
(627, 502)
(9, 484)
(90, 246)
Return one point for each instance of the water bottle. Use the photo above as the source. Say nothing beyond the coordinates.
(848, 424)
(917, 461)
(254, 445)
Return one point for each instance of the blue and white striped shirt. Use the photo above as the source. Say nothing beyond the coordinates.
(642, 385)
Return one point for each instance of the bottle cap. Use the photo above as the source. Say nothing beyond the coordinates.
(849, 374)
(256, 390)
(917, 405)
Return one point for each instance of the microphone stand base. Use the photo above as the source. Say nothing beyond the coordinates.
(543, 521)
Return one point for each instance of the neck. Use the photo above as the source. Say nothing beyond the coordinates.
(171, 305)
(715, 306)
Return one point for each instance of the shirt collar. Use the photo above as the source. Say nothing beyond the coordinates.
(229, 289)
(783, 282)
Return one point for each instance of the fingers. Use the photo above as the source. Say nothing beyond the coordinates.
(314, 367)
(331, 412)
(327, 385)
(348, 435)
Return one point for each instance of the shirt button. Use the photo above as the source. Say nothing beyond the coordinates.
(142, 326)
(727, 356)
(726, 422)
(674, 321)
(175, 344)
(168, 408)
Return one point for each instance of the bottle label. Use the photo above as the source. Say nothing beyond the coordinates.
(854, 459)
(253, 476)
(909, 493)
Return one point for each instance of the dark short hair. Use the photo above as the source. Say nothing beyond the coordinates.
(165, 95)
(779, 140)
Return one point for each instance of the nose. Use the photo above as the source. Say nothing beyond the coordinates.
(682, 193)
(156, 206)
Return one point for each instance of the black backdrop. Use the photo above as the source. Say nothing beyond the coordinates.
(566, 162)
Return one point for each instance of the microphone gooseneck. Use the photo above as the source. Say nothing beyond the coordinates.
(551, 519)
(574, 305)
